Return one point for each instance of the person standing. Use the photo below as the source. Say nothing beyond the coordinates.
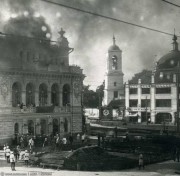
(17, 153)
(22, 142)
(12, 161)
(83, 138)
(31, 144)
(8, 154)
(26, 158)
(141, 161)
(4, 148)
(57, 141)
(176, 154)
(45, 143)
(71, 141)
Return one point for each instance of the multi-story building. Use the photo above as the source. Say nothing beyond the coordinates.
(152, 95)
(40, 93)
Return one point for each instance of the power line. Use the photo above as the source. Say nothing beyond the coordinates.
(108, 17)
(171, 3)
(23, 36)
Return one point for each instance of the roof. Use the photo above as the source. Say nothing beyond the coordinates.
(169, 60)
(145, 77)
(114, 47)
(117, 103)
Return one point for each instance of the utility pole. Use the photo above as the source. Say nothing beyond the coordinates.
(177, 85)
(146, 112)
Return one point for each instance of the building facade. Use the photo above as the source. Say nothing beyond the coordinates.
(151, 96)
(40, 93)
(114, 88)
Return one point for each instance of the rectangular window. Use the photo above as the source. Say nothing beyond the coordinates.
(114, 83)
(145, 103)
(145, 90)
(163, 103)
(133, 103)
(133, 90)
(166, 90)
(115, 94)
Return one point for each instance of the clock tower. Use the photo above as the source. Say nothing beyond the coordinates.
(114, 88)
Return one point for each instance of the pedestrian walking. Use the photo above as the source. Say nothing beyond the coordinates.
(176, 154)
(78, 137)
(83, 138)
(17, 153)
(31, 144)
(8, 154)
(4, 148)
(71, 141)
(26, 158)
(64, 140)
(45, 143)
(12, 161)
(141, 161)
(57, 141)
(22, 142)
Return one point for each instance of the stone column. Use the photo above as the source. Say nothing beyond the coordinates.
(50, 125)
(60, 97)
(37, 97)
(38, 126)
(152, 103)
(127, 98)
(25, 126)
(61, 126)
(24, 97)
(139, 100)
(49, 98)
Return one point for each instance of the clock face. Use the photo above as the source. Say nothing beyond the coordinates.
(106, 112)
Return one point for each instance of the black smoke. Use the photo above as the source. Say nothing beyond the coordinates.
(25, 24)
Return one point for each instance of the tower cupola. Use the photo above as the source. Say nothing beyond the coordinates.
(62, 41)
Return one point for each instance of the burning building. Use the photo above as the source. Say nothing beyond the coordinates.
(40, 93)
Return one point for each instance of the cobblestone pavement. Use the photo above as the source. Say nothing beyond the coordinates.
(168, 168)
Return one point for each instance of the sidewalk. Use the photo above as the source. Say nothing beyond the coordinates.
(168, 168)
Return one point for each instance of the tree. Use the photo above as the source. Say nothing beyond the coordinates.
(91, 98)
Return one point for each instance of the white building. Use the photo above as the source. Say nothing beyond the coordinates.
(153, 95)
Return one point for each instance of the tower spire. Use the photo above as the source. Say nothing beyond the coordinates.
(114, 40)
(175, 43)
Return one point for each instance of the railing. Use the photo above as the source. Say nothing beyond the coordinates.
(63, 109)
(23, 110)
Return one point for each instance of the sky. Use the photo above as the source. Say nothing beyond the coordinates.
(91, 36)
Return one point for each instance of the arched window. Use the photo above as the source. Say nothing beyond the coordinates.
(31, 127)
(43, 95)
(55, 94)
(66, 95)
(66, 125)
(30, 96)
(55, 127)
(16, 94)
(114, 63)
(16, 128)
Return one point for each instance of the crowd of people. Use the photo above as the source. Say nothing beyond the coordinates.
(30, 143)
(55, 140)
(15, 154)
